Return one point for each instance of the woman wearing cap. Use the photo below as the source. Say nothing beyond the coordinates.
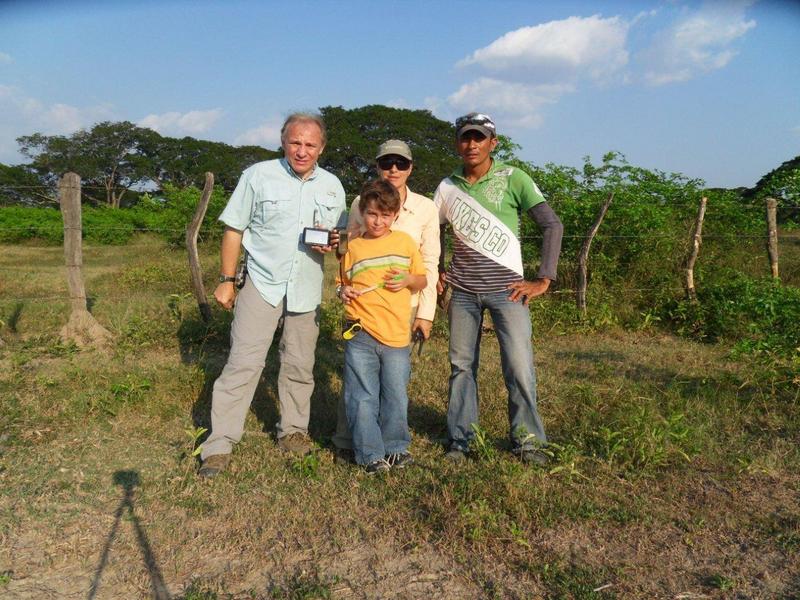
(418, 218)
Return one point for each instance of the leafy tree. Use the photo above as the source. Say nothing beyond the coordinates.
(783, 184)
(355, 134)
(105, 157)
(184, 162)
(20, 185)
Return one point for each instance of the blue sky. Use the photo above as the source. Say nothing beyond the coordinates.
(707, 89)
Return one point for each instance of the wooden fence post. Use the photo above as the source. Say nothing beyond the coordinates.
(191, 245)
(583, 255)
(82, 328)
(772, 235)
(697, 239)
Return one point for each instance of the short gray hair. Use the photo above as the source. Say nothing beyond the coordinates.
(304, 117)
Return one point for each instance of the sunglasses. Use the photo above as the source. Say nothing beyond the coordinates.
(387, 162)
(477, 119)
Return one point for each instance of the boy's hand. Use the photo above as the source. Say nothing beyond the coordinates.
(348, 293)
(396, 280)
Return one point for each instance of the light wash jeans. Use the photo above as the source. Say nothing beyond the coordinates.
(375, 397)
(342, 438)
(512, 325)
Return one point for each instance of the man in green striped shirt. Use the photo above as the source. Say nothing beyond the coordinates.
(482, 201)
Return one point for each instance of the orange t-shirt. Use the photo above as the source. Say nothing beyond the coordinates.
(383, 314)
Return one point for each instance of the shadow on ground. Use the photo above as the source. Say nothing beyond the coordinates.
(129, 481)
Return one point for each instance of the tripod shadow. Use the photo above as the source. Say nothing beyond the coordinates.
(129, 480)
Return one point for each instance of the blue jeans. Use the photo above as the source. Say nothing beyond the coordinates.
(512, 325)
(375, 397)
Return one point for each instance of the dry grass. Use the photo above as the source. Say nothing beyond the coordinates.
(675, 475)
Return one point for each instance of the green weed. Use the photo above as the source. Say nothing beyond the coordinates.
(480, 444)
(307, 466)
(196, 591)
(720, 582)
(642, 440)
(574, 583)
(303, 586)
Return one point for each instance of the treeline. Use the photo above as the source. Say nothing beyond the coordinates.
(637, 260)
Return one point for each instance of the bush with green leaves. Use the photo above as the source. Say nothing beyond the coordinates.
(761, 315)
(167, 216)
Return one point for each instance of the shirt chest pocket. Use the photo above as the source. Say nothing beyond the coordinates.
(327, 209)
(273, 208)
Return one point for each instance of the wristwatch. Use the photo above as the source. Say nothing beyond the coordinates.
(226, 278)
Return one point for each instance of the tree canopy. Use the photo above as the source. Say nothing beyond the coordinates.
(21, 185)
(783, 184)
(184, 162)
(104, 156)
(355, 134)
(114, 159)
(111, 158)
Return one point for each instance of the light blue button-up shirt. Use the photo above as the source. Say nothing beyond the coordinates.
(272, 205)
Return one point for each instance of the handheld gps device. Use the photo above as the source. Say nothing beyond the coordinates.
(314, 236)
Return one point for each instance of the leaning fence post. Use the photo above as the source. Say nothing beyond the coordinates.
(697, 239)
(82, 328)
(772, 235)
(584, 255)
(191, 245)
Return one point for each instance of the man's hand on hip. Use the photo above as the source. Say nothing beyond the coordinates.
(525, 290)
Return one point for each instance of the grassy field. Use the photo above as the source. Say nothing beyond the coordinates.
(675, 472)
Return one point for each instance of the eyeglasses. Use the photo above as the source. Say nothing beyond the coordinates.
(475, 119)
(385, 163)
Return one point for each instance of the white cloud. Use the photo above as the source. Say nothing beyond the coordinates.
(5, 58)
(24, 115)
(515, 103)
(699, 42)
(524, 70)
(267, 135)
(52, 119)
(558, 50)
(192, 122)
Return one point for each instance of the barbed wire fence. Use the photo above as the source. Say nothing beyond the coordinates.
(771, 239)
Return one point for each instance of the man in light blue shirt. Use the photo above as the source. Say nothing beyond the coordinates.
(267, 212)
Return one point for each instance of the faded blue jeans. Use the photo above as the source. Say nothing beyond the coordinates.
(512, 325)
(375, 397)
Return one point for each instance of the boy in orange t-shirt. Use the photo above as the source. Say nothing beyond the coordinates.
(379, 272)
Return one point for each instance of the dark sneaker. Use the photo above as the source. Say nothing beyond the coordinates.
(399, 460)
(532, 456)
(344, 456)
(455, 455)
(377, 466)
(214, 465)
(296, 443)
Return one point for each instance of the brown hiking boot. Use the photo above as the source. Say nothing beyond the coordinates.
(296, 443)
(214, 465)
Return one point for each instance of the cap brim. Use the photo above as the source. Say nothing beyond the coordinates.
(484, 130)
(395, 152)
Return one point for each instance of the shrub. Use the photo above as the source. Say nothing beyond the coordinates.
(760, 314)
